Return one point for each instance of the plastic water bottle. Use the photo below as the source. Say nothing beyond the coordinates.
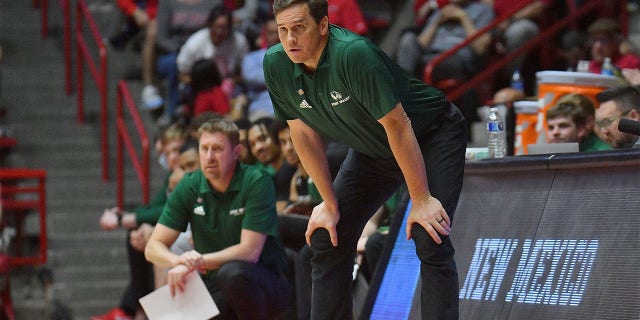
(516, 81)
(497, 136)
(607, 67)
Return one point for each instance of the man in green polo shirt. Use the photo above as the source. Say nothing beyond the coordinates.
(330, 83)
(231, 208)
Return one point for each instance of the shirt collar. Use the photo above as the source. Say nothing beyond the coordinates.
(234, 185)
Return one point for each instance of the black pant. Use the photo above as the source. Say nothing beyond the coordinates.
(141, 280)
(362, 186)
(244, 290)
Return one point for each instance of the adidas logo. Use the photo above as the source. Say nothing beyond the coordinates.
(305, 105)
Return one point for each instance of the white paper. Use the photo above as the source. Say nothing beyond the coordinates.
(194, 303)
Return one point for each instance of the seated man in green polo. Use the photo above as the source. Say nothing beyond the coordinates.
(231, 208)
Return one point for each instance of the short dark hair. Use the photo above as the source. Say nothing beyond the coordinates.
(625, 97)
(573, 112)
(277, 126)
(191, 143)
(317, 8)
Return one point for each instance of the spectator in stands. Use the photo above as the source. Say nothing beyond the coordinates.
(139, 224)
(574, 47)
(142, 15)
(264, 147)
(615, 104)
(177, 20)
(521, 27)
(445, 28)
(253, 76)
(244, 268)
(571, 120)
(205, 93)
(347, 14)
(219, 42)
(605, 37)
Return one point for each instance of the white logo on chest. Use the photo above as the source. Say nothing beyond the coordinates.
(236, 212)
(338, 98)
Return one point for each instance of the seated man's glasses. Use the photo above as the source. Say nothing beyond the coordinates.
(606, 122)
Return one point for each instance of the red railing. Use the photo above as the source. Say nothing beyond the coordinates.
(489, 71)
(99, 76)
(141, 166)
(66, 16)
(12, 184)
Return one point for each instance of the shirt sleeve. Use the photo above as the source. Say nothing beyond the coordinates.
(150, 213)
(179, 207)
(260, 209)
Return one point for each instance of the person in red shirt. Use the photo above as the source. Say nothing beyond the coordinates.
(347, 14)
(143, 15)
(206, 90)
(605, 38)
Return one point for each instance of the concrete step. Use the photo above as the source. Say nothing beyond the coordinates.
(85, 257)
(99, 239)
(75, 273)
(90, 289)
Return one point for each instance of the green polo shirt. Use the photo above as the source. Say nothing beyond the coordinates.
(354, 85)
(592, 143)
(218, 218)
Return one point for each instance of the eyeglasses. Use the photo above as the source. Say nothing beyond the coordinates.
(606, 122)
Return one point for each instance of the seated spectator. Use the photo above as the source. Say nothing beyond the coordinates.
(259, 102)
(139, 224)
(205, 91)
(347, 14)
(615, 104)
(521, 27)
(141, 15)
(573, 48)
(177, 20)
(445, 28)
(605, 37)
(218, 42)
(571, 120)
(244, 268)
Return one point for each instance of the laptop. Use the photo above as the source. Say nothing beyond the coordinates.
(546, 148)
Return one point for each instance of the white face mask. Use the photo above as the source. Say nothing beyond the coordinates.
(162, 160)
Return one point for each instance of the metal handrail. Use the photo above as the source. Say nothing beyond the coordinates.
(482, 76)
(9, 202)
(99, 76)
(123, 136)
